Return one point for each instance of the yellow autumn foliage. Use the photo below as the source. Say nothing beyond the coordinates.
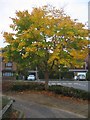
(21, 44)
(50, 34)
(79, 54)
(30, 49)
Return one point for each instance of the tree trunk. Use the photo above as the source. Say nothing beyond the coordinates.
(46, 79)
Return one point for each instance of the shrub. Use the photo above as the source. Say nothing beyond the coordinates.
(5, 101)
(71, 92)
(20, 86)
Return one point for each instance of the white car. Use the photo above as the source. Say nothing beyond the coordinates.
(81, 77)
(31, 77)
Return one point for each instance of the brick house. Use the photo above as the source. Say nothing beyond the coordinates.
(7, 69)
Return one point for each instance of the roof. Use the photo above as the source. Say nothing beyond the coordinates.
(78, 70)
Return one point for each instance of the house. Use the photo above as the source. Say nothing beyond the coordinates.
(7, 69)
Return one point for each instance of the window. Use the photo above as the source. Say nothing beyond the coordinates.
(8, 74)
(9, 64)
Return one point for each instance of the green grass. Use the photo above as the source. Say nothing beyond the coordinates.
(5, 101)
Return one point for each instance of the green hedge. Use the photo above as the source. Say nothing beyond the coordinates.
(20, 86)
(5, 101)
(71, 92)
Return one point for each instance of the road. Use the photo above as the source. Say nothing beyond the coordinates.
(35, 110)
(83, 85)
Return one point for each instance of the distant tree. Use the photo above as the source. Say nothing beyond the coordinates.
(46, 38)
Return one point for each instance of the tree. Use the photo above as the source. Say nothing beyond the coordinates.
(46, 38)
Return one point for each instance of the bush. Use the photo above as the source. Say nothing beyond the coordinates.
(20, 86)
(71, 92)
(88, 76)
(5, 101)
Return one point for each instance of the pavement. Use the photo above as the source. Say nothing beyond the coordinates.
(43, 105)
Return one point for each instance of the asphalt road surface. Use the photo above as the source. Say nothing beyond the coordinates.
(35, 110)
(83, 85)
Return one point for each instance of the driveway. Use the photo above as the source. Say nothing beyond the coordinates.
(36, 105)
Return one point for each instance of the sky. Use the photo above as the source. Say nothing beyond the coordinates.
(76, 9)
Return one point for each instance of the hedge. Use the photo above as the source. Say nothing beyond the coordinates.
(69, 91)
(5, 101)
(27, 86)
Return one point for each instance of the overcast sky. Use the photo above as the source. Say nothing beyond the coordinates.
(77, 9)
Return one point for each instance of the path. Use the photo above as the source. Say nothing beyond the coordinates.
(43, 106)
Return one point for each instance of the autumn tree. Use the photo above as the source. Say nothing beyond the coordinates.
(46, 38)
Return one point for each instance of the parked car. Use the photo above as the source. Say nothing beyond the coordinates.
(81, 77)
(31, 77)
